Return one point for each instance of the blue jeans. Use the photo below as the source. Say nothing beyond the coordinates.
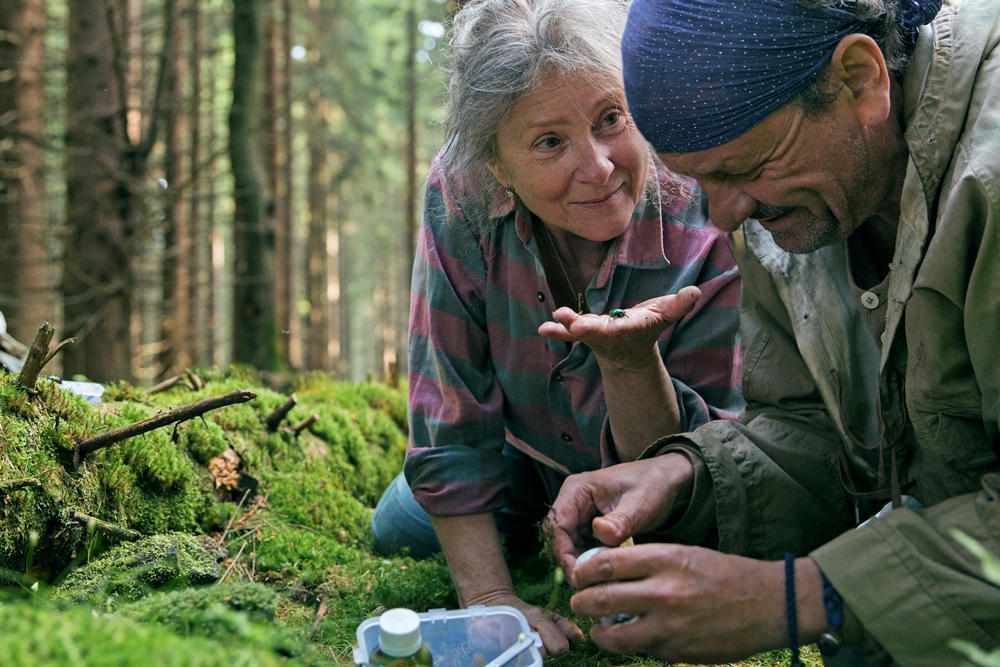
(399, 522)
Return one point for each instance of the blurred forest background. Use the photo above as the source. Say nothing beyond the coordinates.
(202, 182)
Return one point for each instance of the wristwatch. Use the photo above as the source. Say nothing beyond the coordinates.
(830, 642)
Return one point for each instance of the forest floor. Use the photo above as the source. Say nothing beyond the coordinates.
(216, 541)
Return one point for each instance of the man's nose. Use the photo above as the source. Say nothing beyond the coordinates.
(729, 207)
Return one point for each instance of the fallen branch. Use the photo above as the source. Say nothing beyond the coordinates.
(19, 483)
(319, 615)
(272, 420)
(37, 356)
(303, 425)
(183, 413)
(163, 386)
(104, 526)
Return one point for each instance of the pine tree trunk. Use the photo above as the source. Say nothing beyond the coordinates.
(319, 184)
(253, 307)
(201, 257)
(97, 284)
(287, 219)
(26, 271)
(177, 259)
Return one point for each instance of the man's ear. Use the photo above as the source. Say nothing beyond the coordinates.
(858, 63)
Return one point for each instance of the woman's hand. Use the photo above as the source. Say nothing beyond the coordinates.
(472, 546)
(626, 343)
(556, 632)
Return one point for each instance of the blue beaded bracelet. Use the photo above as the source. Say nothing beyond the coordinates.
(793, 620)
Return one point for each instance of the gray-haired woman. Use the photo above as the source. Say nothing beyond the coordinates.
(546, 198)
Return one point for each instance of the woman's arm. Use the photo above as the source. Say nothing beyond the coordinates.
(640, 396)
(472, 546)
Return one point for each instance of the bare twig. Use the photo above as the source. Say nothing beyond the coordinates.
(233, 517)
(320, 613)
(105, 527)
(19, 483)
(166, 384)
(51, 355)
(183, 413)
(36, 357)
(303, 425)
(236, 558)
(194, 379)
(272, 420)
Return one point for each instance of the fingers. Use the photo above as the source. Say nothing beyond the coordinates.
(555, 631)
(612, 529)
(674, 307)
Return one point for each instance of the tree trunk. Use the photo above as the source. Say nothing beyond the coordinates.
(253, 330)
(97, 284)
(319, 184)
(177, 256)
(201, 257)
(270, 140)
(26, 270)
(287, 220)
(344, 301)
(410, 222)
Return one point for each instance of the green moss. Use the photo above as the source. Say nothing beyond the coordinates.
(35, 635)
(129, 571)
(242, 611)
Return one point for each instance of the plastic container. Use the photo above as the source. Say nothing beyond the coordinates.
(474, 637)
(399, 641)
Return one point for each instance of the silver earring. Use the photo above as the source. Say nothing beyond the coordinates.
(509, 192)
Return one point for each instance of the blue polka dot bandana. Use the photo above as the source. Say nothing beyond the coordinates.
(699, 73)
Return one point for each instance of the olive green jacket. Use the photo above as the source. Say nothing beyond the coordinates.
(817, 382)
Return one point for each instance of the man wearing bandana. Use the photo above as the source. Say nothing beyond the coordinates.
(853, 147)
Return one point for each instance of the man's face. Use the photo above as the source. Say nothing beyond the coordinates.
(810, 181)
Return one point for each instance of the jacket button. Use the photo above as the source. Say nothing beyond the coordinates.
(541, 298)
(869, 300)
(567, 437)
(557, 377)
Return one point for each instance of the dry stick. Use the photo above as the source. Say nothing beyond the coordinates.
(196, 382)
(163, 386)
(180, 414)
(19, 483)
(272, 420)
(303, 425)
(37, 356)
(58, 348)
(319, 615)
(104, 526)
(233, 564)
(233, 517)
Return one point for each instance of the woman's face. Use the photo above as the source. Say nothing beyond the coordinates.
(572, 154)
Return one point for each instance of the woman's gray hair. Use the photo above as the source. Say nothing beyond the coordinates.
(883, 24)
(503, 49)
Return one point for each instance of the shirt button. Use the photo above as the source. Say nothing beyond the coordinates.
(541, 298)
(557, 377)
(869, 300)
(567, 437)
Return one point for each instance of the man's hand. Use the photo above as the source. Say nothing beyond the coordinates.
(626, 344)
(617, 502)
(693, 604)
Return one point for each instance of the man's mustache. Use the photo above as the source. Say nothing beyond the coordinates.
(766, 211)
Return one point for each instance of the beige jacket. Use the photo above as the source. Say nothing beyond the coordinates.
(815, 378)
